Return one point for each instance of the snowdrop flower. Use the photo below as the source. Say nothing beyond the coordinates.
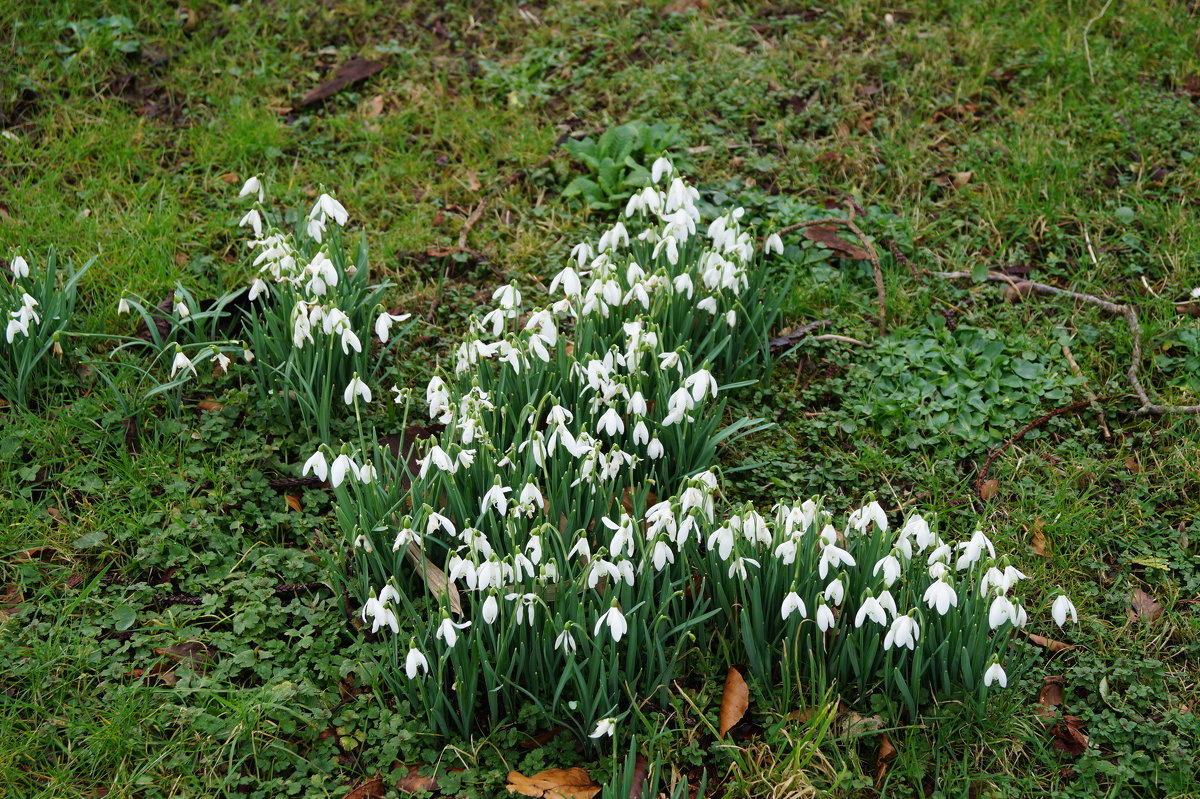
(254, 220)
(1196, 293)
(19, 267)
(1062, 608)
(918, 529)
(366, 473)
(940, 595)
(890, 568)
(181, 306)
(611, 423)
(496, 497)
(414, 662)
(315, 228)
(973, 551)
(833, 555)
(773, 244)
(701, 384)
(995, 673)
(257, 289)
(342, 465)
(786, 552)
(565, 640)
(123, 306)
(354, 388)
(1000, 611)
(350, 341)
(507, 296)
(654, 450)
(317, 465)
(792, 603)
(835, 592)
(404, 538)
(617, 625)
(873, 610)
(252, 186)
(738, 567)
(448, 631)
(663, 554)
(825, 619)
(660, 168)
(181, 362)
(381, 614)
(861, 519)
(903, 632)
(326, 206)
(383, 325)
(604, 727)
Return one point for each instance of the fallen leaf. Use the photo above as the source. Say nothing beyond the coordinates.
(473, 183)
(1145, 606)
(555, 783)
(194, 653)
(293, 501)
(374, 107)
(857, 724)
(209, 405)
(1051, 695)
(230, 178)
(11, 597)
(683, 6)
(1068, 735)
(1038, 539)
(1131, 463)
(865, 122)
(1047, 643)
(640, 767)
(886, 754)
(989, 489)
(348, 73)
(734, 701)
(829, 237)
(414, 781)
(371, 789)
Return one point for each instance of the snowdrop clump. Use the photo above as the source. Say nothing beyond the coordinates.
(563, 541)
(314, 313)
(36, 309)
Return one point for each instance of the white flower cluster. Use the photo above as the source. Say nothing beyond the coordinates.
(573, 487)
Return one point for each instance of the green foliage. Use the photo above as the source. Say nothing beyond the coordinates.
(619, 162)
(966, 389)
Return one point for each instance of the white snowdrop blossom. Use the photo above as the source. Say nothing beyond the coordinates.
(615, 621)
(903, 632)
(1062, 608)
(995, 673)
(414, 663)
(356, 388)
(604, 727)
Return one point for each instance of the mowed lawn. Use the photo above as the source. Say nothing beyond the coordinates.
(166, 622)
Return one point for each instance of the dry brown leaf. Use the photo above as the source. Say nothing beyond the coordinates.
(735, 701)
(209, 405)
(887, 753)
(194, 653)
(473, 183)
(351, 72)
(989, 489)
(640, 768)
(865, 122)
(858, 724)
(1051, 695)
(829, 237)
(11, 598)
(373, 107)
(1038, 539)
(231, 178)
(371, 789)
(1068, 735)
(1131, 463)
(293, 501)
(960, 179)
(554, 783)
(1145, 606)
(414, 781)
(683, 6)
(1048, 643)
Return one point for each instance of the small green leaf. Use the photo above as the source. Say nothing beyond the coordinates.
(89, 540)
(123, 617)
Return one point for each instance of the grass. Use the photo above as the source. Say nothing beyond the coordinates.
(133, 124)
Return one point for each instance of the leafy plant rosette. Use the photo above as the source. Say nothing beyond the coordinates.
(564, 543)
(616, 162)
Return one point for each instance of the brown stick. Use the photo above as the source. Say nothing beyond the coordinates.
(998, 451)
(1148, 407)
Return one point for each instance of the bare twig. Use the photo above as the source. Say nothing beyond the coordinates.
(1148, 406)
(1075, 370)
(843, 339)
(1000, 450)
(1087, 52)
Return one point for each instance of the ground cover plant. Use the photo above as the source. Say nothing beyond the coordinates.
(171, 622)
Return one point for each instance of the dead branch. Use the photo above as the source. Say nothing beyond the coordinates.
(1148, 407)
(1000, 450)
(1075, 370)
